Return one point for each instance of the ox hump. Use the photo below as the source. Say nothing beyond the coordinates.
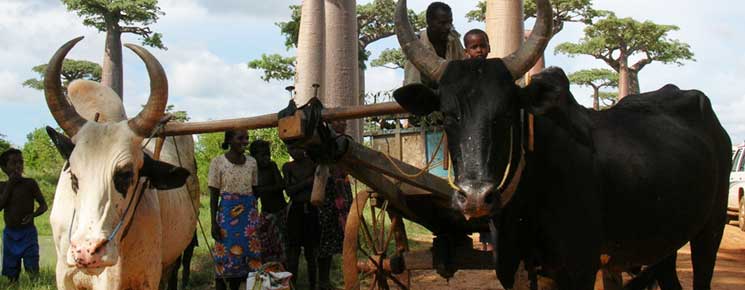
(89, 98)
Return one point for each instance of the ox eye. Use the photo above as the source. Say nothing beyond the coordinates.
(122, 181)
(74, 182)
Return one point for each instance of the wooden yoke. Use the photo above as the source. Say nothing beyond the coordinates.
(270, 120)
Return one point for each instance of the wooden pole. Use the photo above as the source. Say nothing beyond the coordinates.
(270, 120)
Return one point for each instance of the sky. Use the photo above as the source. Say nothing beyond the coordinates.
(211, 41)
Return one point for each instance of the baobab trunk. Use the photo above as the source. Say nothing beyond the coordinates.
(342, 68)
(311, 51)
(112, 74)
(595, 98)
(633, 82)
(504, 25)
(623, 77)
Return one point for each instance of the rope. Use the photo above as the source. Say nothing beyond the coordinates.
(430, 164)
(504, 176)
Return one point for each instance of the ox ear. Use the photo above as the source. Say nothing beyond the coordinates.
(417, 99)
(162, 175)
(547, 90)
(64, 145)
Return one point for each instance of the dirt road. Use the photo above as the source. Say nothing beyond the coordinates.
(729, 272)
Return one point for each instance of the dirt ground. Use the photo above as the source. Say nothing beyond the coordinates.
(729, 272)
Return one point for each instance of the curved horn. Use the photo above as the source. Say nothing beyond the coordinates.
(153, 111)
(520, 61)
(422, 57)
(62, 111)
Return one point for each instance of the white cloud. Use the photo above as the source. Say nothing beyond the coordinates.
(208, 87)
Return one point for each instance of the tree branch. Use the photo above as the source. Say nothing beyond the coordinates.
(144, 31)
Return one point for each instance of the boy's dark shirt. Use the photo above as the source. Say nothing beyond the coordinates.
(299, 180)
(20, 202)
(270, 189)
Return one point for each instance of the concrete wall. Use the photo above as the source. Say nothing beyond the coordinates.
(412, 151)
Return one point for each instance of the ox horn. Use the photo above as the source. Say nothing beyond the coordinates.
(154, 110)
(425, 59)
(520, 61)
(62, 111)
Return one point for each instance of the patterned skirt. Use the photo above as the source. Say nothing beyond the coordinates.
(239, 250)
(272, 234)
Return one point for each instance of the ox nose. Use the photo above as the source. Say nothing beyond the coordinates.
(476, 199)
(88, 253)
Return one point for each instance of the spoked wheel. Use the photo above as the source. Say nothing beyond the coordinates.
(374, 241)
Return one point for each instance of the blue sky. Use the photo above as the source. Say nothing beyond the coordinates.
(210, 41)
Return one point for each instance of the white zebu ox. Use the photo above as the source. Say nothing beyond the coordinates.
(105, 159)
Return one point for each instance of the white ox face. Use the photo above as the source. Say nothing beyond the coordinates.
(104, 163)
(101, 170)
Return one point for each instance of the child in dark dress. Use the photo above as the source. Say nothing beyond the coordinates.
(270, 189)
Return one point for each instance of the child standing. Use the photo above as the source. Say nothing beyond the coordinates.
(302, 216)
(17, 196)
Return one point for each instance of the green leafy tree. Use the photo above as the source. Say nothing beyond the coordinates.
(278, 148)
(375, 22)
(392, 58)
(4, 144)
(616, 40)
(71, 70)
(275, 67)
(42, 161)
(40, 155)
(597, 79)
(607, 99)
(206, 149)
(116, 17)
(579, 11)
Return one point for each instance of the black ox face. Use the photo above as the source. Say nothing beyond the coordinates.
(480, 104)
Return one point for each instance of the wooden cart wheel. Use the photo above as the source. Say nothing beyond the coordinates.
(371, 238)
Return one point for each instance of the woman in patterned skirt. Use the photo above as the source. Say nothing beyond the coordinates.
(234, 213)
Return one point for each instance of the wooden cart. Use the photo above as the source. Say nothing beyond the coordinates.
(376, 253)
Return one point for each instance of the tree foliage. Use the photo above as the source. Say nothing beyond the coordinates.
(128, 16)
(615, 40)
(579, 11)
(71, 70)
(40, 155)
(42, 161)
(607, 99)
(275, 67)
(4, 144)
(178, 116)
(375, 21)
(597, 79)
(392, 58)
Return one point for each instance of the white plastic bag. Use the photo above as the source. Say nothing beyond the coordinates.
(266, 280)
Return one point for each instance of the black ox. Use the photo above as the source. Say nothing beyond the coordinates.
(631, 184)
